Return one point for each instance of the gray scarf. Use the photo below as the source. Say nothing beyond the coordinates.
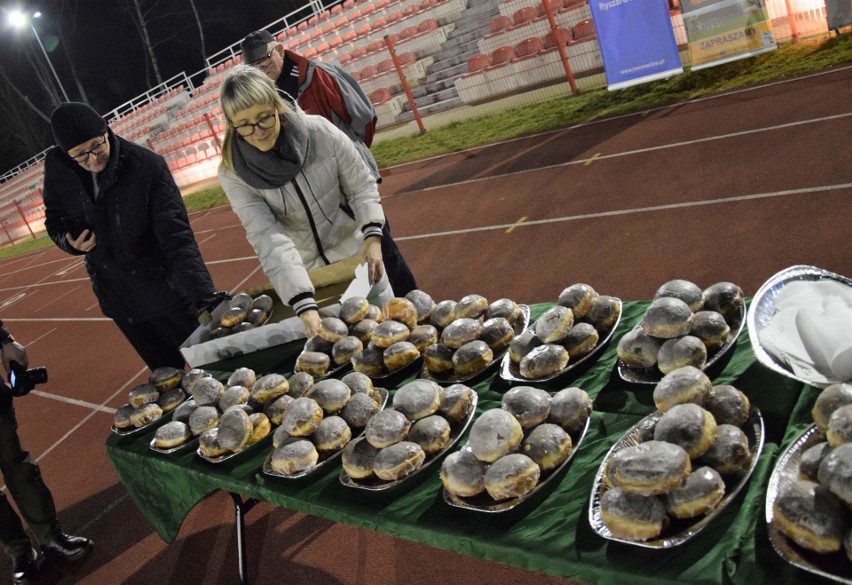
(277, 166)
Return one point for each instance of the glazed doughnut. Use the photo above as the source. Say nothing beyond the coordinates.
(172, 434)
(725, 298)
(233, 396)
(359, 383)
(632, 516)
(840, 426)
(374, 314)
(456, 402)
(387, 427)
(417, 399)
(810, 515)
(529, 405)
(471, 307)
(554, 324)
(511, 476)
(165, 378)
(637, 349)
(461, 331)
(203, 418)
(651, 468)
(302, 417)
(494, 434)
(829, 400)
(570, 408)
(389, 332)
(443, 314)
(143, 394)
(358, 411)
(207, 391)
(682, 290)
(235, 430)
(728, 405)
(604, 312)
(688, 384)
(331, 435)
(579, 298)
(121, 420)
(354, 309)
(506, 308)
(462, 474)
(401, 310)
(548, 445)
(331, 395)
(344, 349)
(399, 355)
(233, 316)
(240, 301)
(432, 433)
(438, 359)
(300, 383)
(523, 344)
(811, 459)
(170, 399)
(294, 456)
(363, 330)
(667, 317)
(689, 426)
(835, 472)
(423, 303)
(242, 377)
(145, 414)
(183, 411)
(313, 362)
(423, 336)
(545, 360)
(699, 493)
(208, 443)
(580, 340)
(369, 361)
(275, 410)
(318, 344)
(279, 436)
(710, 327)
(398, 460)
(256, 317)
(270, 387)
(262, 303)
(680, 352)
(729, 452)
(472, 357)
(358, 457)
(191, 377)
(497, 332)
(332, 329)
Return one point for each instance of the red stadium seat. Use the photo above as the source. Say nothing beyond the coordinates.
(411, 10)
(408, 32)
(524, 15)
(499, 24)
(316, 33)
(395, 38)
(395, 15)
(584, 30)
(502, 55)
(478, 63)
(364, 29)
(345, 58)
(381, 4)
(311, 53)
(375, 45)
(348, 4)
(428, 25)
(314, 20)
(336, 9)
(528, 47)
(323, 48)
(354, 15)
(349, 36)
(328, 28)
(369, 71)
(380, 96)
(379, 22)
(426, 4)
(550, 39)
(407, 58)
(303, 26)
(385, 65)
(368, 9)
(359, 52)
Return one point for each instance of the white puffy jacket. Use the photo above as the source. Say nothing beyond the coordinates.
(310, 223)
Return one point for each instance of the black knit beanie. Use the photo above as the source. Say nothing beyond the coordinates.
(74, 123)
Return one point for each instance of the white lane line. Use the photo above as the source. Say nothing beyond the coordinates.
(218, 229)
(207, 239)
(619, 117)
(92, 307)
(40, 337)
(623, 154)
(90, 415)
(237, 287)
(635, 210)
(54, 299)
(74, 401)
(38, 284)
(14, 299)
(95, 519)
(229, 260)
(54, 319)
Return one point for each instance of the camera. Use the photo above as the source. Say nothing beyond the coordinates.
(23, 380)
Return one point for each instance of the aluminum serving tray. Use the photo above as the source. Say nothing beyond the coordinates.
(519, 328)
(835, 566)
(404, 370)
(485, 503)
(189, 442)
(323, 460)
(763, 309)
(511, 371)
(679, 531)
(654, 375)
(154, 423)
(228, 456)
(375, 484)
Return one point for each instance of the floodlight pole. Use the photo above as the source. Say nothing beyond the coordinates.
(44, 52)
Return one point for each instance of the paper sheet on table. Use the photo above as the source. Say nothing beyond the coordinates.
(811, 330)
(360, 285)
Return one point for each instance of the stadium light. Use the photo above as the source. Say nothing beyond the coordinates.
(19, 20)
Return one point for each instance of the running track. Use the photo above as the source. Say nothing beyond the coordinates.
(733, 187)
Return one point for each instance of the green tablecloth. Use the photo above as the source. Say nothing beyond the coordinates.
(550, 533)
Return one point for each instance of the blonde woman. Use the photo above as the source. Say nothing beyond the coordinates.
(301, 190)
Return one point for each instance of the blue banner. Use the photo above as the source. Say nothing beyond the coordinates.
(637, 41)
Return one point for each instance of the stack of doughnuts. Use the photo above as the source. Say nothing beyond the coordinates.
(812, 511)
(565, 333)
(400, 440)
(164, 391)
(682, 459)
(243, 313)
(322, 421)
(683, 326)
(471, 334)
(513, 448)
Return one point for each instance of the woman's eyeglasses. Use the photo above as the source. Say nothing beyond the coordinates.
(264, 122)
(98, 148)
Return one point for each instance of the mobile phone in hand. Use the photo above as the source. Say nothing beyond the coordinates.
(75, 225)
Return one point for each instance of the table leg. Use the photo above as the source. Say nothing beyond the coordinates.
(241, 508)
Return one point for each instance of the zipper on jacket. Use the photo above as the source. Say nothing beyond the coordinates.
(311, 222)
(311, 189)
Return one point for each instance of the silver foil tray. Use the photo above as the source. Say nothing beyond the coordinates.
(685, 529)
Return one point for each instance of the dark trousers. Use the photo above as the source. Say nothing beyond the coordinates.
(158, 340)
(399, 275)
(24, 482)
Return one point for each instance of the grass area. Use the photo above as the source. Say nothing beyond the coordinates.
(788, 61)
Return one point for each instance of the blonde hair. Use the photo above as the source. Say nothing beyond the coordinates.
(243, 88)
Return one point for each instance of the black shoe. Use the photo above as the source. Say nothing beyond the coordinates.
(25, 569)
(67, 548)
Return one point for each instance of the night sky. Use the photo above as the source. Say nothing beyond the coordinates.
(108, 52)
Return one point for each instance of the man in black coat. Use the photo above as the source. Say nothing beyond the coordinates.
(117, 203)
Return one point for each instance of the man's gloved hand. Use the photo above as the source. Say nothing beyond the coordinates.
(205, 306)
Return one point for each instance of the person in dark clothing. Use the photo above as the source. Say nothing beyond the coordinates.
(117, 203)
(23, 480)
(326, 90)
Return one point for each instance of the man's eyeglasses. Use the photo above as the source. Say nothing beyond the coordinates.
(98, 148)
(263, 61)
(265, 122)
